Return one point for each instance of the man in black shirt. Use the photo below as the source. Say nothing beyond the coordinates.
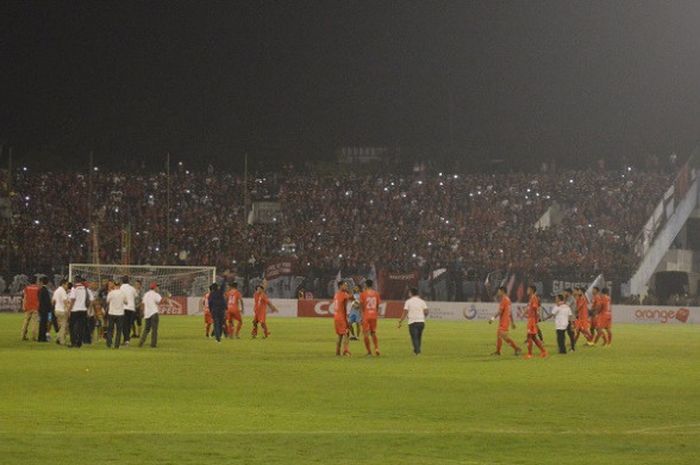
(45, 307)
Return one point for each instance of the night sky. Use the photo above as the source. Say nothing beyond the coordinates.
(292, 80)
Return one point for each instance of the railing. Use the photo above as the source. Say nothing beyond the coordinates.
(667, 206)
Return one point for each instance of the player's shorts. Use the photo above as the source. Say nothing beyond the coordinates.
(604, 321)
(369, 325)
(341, 327)
(233, 315)
(208, 319)
(355, 317)
(503, 330)
(261, 317)
(583, 325)
(532, 327)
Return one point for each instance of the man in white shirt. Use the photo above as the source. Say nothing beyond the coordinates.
(561, 314)
(116, 302)
(129, 309)
(60, 305)
(415, 309)
(80, 299)
(150, 300)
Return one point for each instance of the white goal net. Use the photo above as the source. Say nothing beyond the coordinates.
(183, 281)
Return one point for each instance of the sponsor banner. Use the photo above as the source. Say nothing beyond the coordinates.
(10, 303)
(173, 306)
(655, 314)
(325, 309)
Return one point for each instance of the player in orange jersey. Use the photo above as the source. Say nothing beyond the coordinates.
(260, 304)
(369, 303)
(596, 308)
(604, 319)
(505, 322)
(533, 313)
(234, 310)
(208, 319)
(340, 317)
(582, 323)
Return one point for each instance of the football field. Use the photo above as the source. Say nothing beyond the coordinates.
(290, 400)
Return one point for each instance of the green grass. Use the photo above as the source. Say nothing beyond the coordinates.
(289, 400)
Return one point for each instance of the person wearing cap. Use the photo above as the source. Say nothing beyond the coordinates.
(151, 300)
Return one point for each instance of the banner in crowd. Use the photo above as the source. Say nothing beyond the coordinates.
(282, 282)
(395, 285)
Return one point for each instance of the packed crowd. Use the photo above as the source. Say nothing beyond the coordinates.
(483, 222)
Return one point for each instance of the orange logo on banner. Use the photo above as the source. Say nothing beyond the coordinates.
(663, 316)
(682, 315)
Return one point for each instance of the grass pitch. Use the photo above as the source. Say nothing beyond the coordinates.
(289, 400)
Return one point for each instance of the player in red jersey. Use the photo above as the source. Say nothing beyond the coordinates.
(604, 319)
(234, 310)
(533, 314)
(261, 302)
(596, 308)
(208, 319)
(340, 317)
(505, 322)
(369, 303)
(582, 323)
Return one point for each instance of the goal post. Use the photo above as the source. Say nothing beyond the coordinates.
(182, 281)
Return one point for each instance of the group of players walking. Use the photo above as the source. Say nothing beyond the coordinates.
(593, 321)
(223, 311)
(223, 314)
